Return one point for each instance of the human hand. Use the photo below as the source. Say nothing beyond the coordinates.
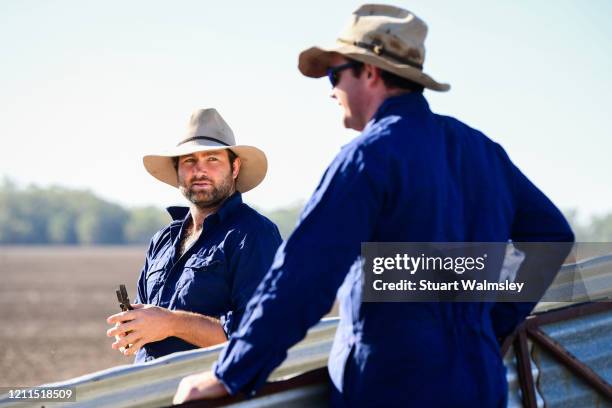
(117, 337)
(135, 328)
(199, 386)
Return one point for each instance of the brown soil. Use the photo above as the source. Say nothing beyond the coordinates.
(53, 305)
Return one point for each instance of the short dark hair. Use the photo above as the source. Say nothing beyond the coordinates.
(230, 154)
(390, 80)
(232, 157)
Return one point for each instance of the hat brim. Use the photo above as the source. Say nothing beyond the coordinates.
(253, 167)
(315, 61)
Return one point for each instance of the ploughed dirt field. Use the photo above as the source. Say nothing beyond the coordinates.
(53, 306)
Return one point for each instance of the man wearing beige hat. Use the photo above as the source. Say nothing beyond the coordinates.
(200, 270)
(410, 176)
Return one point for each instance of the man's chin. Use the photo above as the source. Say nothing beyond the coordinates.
(350, 123)
(201, 199)
(205, 202)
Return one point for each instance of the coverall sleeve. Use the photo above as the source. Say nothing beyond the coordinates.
(308, 269)
(537, 219)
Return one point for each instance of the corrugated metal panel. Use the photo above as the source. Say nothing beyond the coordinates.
(589, 339)
(514, 392)
(589, 280)
(585, 281)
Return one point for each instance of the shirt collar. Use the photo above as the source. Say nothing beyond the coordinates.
(180, 213)
(411, 102)
(230, 206)
(177, 212)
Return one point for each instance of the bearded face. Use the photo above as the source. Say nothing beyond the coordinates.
(206, 178)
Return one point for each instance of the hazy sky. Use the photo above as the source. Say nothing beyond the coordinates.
(87, 88)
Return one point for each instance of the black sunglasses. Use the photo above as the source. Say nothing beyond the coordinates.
(333, 73)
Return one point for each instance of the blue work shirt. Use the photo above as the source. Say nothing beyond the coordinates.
(410, 176)
(215, 277)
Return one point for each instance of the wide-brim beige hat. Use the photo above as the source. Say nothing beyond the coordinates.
(388, 37)
(208, 131)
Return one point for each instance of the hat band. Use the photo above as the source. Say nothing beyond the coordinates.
(212, 139)
(379, 49)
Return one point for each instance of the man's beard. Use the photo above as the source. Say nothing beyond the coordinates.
(210, 197)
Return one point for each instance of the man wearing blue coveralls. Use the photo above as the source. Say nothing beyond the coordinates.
(410, 176)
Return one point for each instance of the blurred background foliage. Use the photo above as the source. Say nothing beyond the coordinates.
(61, 216)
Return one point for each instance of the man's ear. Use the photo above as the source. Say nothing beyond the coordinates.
(236, 168)
(372, 73)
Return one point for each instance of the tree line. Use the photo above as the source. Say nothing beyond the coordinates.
(62, 216)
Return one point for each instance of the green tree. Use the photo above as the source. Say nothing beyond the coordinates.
(101, 224)
(580, 230)
(62, 229)
(285, 218)
(143, 222)
(20, 223)
(600, 228)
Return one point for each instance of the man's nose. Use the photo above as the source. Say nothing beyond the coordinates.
(200, 168)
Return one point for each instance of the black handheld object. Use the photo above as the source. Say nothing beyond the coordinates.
(124, 301)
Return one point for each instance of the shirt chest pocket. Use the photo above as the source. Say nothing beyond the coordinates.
(203, 286)
(154, 280)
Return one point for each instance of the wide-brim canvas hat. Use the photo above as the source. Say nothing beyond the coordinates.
(208, 131)
(388, 37)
